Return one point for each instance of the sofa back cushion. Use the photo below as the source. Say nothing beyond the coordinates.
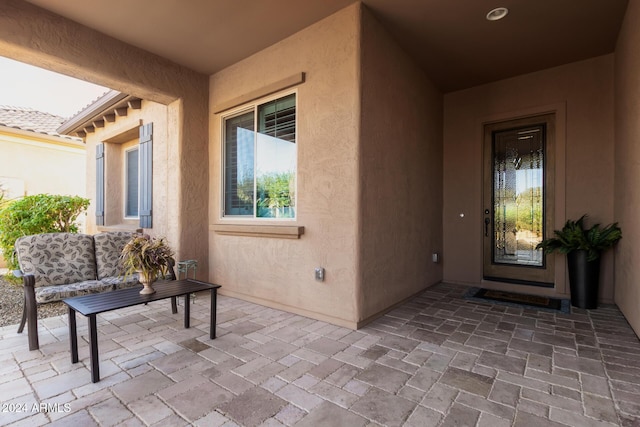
(57, 258)
(108, 249)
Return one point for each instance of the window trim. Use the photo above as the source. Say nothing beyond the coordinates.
(125, 169)
(243, 109)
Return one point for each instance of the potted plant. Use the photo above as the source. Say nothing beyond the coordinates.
(148, 256)
(583, 248)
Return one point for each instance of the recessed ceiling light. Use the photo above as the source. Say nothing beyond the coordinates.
(497, 14)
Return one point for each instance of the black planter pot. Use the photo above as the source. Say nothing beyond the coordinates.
(583, 279)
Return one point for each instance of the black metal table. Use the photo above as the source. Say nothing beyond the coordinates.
(94, 304)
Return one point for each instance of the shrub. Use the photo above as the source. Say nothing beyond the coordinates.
(40, 213)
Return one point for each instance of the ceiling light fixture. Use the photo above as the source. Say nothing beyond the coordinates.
(497, 13)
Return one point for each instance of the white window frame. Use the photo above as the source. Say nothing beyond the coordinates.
(243, 109)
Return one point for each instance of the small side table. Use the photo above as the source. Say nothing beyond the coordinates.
(185, 266)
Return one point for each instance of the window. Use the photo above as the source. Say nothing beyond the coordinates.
(124, 189)
(131, 183)
(260, 166)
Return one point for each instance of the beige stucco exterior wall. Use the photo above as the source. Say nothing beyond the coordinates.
(123, 132)
(627, 165)
(400, 174)
(581, 94)
(38, 37)
(280, 272)
(37, 164)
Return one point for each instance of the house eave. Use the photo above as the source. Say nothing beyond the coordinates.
(63, 140)
(113, 102)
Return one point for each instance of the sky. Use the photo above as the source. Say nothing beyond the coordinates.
(23, 85)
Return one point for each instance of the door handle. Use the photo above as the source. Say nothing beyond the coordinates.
(486, 227)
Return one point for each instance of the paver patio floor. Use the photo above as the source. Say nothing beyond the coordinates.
(436, 360)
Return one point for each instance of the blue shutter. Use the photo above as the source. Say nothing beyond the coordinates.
(146, 175)
(99, 184)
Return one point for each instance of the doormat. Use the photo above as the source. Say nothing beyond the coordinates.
(534, 302)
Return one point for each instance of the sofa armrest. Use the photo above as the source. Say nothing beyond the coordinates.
(172, 272)
(29, 282)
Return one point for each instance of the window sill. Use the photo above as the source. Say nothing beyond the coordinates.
(120, 227)
(274, 231)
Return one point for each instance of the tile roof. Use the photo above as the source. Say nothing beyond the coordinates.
(31, 120)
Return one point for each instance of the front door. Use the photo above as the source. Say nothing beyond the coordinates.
(518, 200)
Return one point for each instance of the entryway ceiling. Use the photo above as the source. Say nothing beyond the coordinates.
(451, 39)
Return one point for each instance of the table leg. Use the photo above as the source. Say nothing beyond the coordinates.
(187, 311)
(73, 335)
(212, 315)
(93, 343)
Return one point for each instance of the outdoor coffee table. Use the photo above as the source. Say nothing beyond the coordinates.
(94, 304)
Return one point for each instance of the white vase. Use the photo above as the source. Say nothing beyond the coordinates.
(147, 280)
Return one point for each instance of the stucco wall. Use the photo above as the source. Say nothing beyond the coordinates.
(400, 172)
(123, 132)
(582, 95)
(627, 165)
(280, 272)
(42, 164)
(35, 36)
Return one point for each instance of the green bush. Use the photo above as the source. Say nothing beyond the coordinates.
(40, 213)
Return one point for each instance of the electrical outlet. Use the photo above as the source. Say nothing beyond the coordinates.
(319, 274)
(435, 257)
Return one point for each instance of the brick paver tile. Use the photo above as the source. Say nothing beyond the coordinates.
(588, 366)
(440, 398)
(142, 386)
(383, 408)
(110, 412)
(150, 409)
(299, 397)
(525, 419)
(484, 405)
(488, 420)
(460, 415)
(468, 381)
(551, 400)
(252, 407)
(421, 417)
(234, 383)
(198, 401)
(325, 368)
(330, 415)
(424, 378)
(383, 377)
(58, 384)
(334, 394)
(502, 362)
(81, 418)
(290, 415)
(574, 419)
(505, 393)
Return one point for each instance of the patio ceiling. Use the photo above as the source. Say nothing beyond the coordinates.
(451, 40)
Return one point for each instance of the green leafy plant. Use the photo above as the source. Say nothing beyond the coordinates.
(574, 236)
(274, 193)
(39, 213)
(149, 256)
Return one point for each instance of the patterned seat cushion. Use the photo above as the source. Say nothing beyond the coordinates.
(108, 249)
(46, 294)
(57, 258)
(122, 282)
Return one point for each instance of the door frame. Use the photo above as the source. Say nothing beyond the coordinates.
(537, 276)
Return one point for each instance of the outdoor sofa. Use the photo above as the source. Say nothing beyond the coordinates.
(55, 266)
